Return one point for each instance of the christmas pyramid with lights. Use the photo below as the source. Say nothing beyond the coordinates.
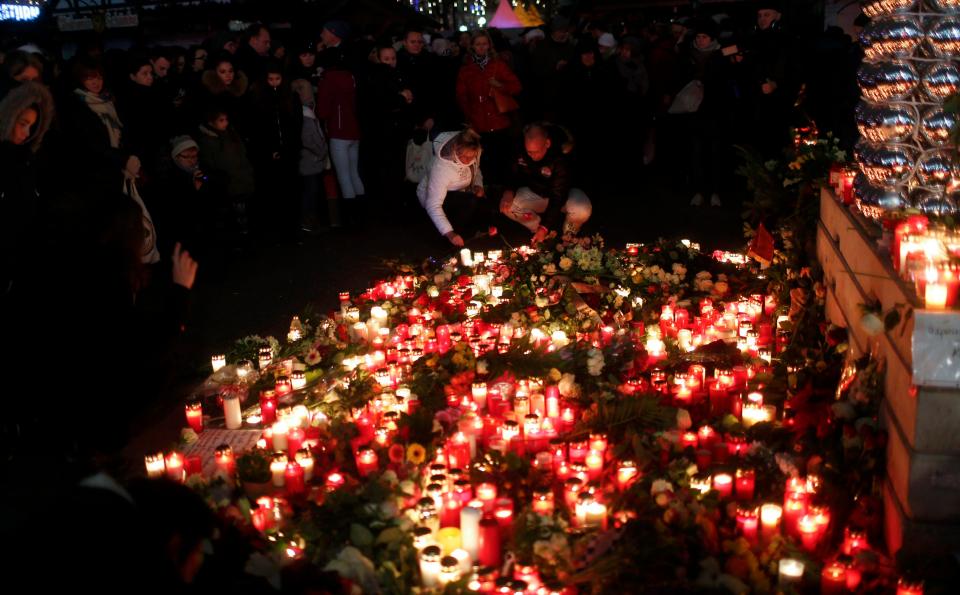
(504, 18)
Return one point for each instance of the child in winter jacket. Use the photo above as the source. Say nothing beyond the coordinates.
(223, 157)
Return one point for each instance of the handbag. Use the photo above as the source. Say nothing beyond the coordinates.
(688, 99)
(419, 159)
(505, 103)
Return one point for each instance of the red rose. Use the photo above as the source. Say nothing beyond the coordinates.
(492, 231)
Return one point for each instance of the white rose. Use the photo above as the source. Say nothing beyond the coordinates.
(659, 486)
(683, 419)
(567, 385)
(482, 366)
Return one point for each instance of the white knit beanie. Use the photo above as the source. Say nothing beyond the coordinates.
(180, 144)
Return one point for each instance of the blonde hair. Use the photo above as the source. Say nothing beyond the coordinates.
(467, 138)
(492, 53)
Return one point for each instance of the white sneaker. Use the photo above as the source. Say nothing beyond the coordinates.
(697, 200)
(715, 200)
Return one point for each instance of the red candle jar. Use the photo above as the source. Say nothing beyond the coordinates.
(226, 463)
(268, 407)
(193, 464)
(367, 461)
(704, 458)
(487, 493)
(794, 507)
(295, 438)
(723, 484)
(745, 484)
(450, 511)
(578, 451)
(908, 587)
(174, 466)
(810, 534)
(503, 513)
(293, 479)
(543, 502)
(335, 480)
(833, 579)
(688, 440)
(854, 541)
(748, 523)
(489, 543)
(707, 437)
(194, 412)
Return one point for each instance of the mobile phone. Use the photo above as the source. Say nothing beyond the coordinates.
(730, 50)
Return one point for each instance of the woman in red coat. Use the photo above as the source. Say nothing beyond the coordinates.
(482, 77)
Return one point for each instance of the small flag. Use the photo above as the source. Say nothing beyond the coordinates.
(761, 248)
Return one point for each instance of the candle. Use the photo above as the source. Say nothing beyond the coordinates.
(466, 257)
(571, 491)
(280, 433)
(304, 457)
(294, 478)
(194, 411)
(723, 484)
(470, 516)
(748, 523)
(627, 472)
(264, 357)
(833, 579)
(688, 440)
(430, 566)
(479, 393)
(155, 465)
(794, 507)
(174, 466)
(594, 464)
(367, 461)
(790, 572)
(770, 515)
(503, 513)
(908, 587)
(745, 484)
(298, 380)
(278, 468)
(935, 296)
(448, 538)
(809, 532)
(487, 494)
(231, 411)
(449, 570)
(224, 459)
(543, 501)
(450, 510)
(489, 543)
(854, 541)
(217, 362)
(335, 480)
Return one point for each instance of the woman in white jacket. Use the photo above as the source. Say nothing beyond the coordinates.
(453, 186)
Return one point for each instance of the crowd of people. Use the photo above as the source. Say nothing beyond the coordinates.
(127, 171)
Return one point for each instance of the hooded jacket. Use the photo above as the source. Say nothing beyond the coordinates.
(19, 201)
(233, 97)
(224, 157)
(446, 174)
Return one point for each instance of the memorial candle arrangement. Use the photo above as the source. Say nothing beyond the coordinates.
(493, 445)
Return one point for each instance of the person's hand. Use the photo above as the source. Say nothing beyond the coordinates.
(506, 201)
(477, 191)
(454, 238)
(408, 95)
(132, 167)
(495, 83)
(768, 87)
(540, 235)
(184, 267)
(197, 179)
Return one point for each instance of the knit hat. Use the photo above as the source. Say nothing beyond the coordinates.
(534, 34)
(707, 27)
(607, 41)
(180, 144)
(339, 28)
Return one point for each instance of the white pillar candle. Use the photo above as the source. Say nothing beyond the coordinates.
(280, 442)
(466, 562)
(155, 465)
(231, 412)
(430, 566)
(217, 362)
(466, 257)
(790, 572)
(277, 469)
(470, 516)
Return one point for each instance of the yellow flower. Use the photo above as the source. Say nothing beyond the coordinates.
(555, 375)
(566, 263)
(416, 454)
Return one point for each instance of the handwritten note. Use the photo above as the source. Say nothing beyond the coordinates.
(936, 349)
(239, 440)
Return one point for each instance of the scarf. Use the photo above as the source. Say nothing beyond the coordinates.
(481, 61)
(150, 253)
(103, 107)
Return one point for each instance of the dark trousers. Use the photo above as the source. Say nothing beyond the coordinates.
(467, 212)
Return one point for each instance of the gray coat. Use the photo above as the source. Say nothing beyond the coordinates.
(314, 151)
